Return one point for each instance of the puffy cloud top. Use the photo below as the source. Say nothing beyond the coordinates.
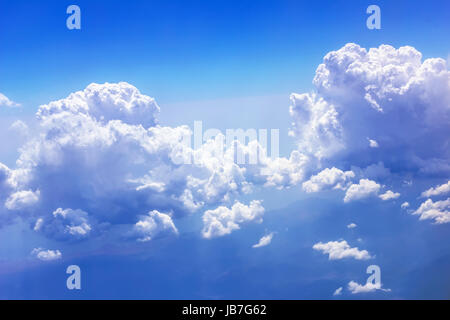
(363, 189)
(328, 178)
(46, 255)
(105, 102)
(359, 91)
(153, 224)
(388, 195)
(223, 220)
(442, 189)
(438, 211)
(337, 250)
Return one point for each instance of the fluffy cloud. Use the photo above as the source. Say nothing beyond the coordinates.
(363, 189)
(359, 91)
(46, 255)
(65, 224)
(328, 178)
(355, 287)
(102, 151)
(351, 225)
(337, 250)
(149, 226)
(438, 211)
(104, 103)
(388, 195)
(373, 143)
(264, 241)
(405, 205)
(5, 102)
(222, 220)
(316, 125)
(22, 199)
(442, 189)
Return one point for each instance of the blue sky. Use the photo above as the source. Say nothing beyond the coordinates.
(230, 64)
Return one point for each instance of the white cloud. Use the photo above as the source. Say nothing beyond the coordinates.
(153, 224)
(5, 102)
(223, 221)
(22, 199)
(439, 211)
(337, 292)
(328, 178)
(65, 224)
(355, 287)
(405, 205)
(106, 102)
(46, 255)
(388, 195)
(38, 224)
(385, 92)
(102, 149)
(337, 250)
(373, 143)
(316, 125)
(264, 241)
(364, 189)
(280, 172)
(442, 189)
(351, 225)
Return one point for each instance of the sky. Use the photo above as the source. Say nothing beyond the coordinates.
(92, 123)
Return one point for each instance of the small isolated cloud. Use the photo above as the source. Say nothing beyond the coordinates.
(439, 211)
(6, 102)
(373, 143)
(442, 189)
(351, 225)
(22, 199)
(363, 189)
(337, 250)
(264, 241)
(328, 178)
(338, 292)
(355, 287)
(153, 224)
(222, 221)
(46, 255)
(388, 195)
(405, 205)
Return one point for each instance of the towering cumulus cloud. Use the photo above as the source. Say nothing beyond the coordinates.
(359, 91)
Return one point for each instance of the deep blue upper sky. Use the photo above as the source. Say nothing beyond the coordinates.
(231, 64)
(196, 50)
